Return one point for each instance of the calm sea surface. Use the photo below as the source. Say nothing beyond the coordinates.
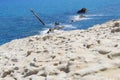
(16, 20)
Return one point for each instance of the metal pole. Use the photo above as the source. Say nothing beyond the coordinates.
(36, 15)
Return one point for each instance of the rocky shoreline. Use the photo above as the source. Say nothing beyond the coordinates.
(92, 54)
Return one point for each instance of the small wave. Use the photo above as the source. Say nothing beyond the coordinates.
(63, 24)
(69, 26)
(44, 31)
(90, 15)
(66, 26)
(79, 18)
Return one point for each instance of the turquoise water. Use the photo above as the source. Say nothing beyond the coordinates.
(16, 21)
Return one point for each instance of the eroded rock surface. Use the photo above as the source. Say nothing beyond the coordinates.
(92, 54)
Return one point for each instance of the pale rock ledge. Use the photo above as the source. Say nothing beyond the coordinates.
(92, 54)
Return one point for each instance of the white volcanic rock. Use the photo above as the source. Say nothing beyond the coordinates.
(92, 54)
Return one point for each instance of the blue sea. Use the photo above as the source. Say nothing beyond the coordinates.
(16, 20)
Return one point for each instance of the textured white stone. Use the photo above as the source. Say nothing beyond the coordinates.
(72, 55)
